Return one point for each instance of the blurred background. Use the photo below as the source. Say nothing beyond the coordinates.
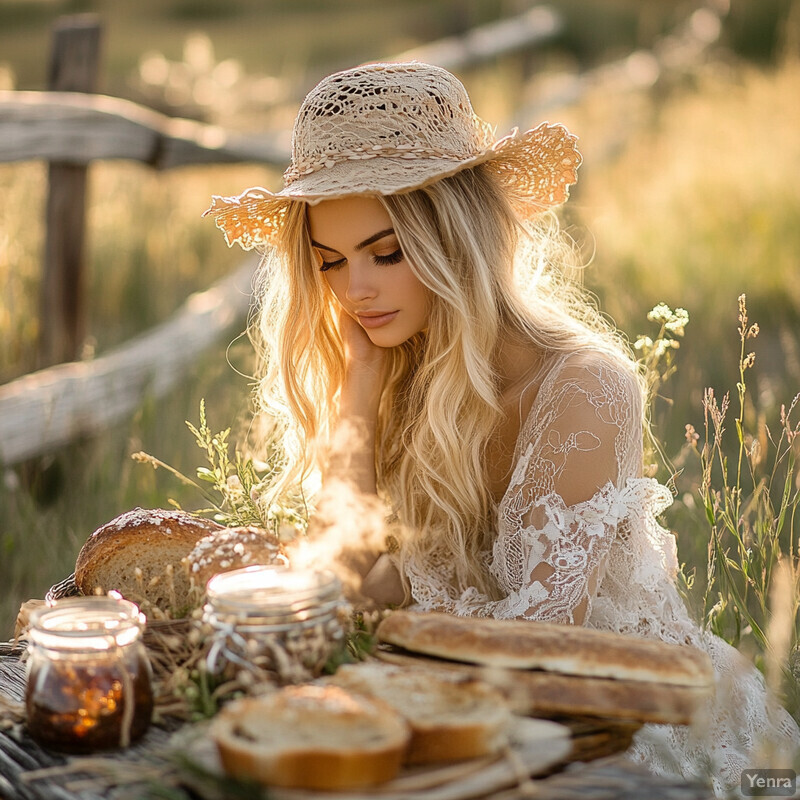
(689, 123)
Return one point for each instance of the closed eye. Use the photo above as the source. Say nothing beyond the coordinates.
(382, 261)
(326, 265)
(392, 258)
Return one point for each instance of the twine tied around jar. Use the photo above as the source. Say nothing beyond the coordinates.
(275, 623)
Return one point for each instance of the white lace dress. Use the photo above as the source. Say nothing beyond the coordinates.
(578, 540)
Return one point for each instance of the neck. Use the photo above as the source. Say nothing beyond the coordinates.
(516, 362)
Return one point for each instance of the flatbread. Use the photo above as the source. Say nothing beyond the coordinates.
(561, 649)
(545, 694)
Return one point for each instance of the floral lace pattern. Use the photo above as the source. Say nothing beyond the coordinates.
(578, 541)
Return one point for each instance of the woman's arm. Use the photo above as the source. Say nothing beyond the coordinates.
(351, 459)
(565, 502)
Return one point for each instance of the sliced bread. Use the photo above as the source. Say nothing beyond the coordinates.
(549, 695)
(310, 737)
(452, 717)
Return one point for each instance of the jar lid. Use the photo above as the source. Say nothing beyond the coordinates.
(86, 623)
(272, 590)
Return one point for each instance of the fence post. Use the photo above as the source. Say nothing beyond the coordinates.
(62, 308)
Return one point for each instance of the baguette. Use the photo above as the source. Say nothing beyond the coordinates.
(138, 554)
(310, 737)
(548, 695)
(452, 717)
(563, 649)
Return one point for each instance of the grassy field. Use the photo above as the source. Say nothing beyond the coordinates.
(683, 198)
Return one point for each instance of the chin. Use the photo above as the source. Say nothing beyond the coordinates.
(388, 339)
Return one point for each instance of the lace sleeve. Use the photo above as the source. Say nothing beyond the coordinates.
(567, 495)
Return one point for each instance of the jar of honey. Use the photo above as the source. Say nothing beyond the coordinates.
(278, 623)
(88, 675)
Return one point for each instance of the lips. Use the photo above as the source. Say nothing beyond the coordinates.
(376, 319)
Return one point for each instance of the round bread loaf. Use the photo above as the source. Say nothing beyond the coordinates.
(232, 548)
(139, 555)
(310, 737)
(452, 717)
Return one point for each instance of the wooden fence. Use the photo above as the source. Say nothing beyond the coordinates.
(69, 128)
(49, 408)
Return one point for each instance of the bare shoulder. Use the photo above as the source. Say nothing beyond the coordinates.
(599, 375)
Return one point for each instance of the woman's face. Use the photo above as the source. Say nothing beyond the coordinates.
(359, 254)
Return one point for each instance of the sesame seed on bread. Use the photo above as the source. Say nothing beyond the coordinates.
(229, 549)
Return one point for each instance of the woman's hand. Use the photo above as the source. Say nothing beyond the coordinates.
(363, 379)
(360, 354)
(351, 457)
(383, 583)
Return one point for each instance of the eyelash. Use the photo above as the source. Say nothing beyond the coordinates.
(381, 261)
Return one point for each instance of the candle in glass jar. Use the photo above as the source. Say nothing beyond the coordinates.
(274, 621)
(88, 675)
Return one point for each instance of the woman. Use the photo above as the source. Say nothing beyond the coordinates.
(418, 343)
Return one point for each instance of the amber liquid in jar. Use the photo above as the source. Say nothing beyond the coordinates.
(88, 684)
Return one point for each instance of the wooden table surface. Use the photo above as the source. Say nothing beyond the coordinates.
(609, 778)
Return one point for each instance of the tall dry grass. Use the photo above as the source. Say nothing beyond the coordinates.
(695, 209)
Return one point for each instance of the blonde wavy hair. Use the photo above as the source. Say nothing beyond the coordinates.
(491, 277)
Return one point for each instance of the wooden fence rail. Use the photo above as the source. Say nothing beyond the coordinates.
(51, 407)
(81, 128)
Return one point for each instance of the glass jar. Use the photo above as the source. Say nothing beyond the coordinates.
(277, 623)
(88, 675)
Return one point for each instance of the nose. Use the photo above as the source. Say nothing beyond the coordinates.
(360, 285)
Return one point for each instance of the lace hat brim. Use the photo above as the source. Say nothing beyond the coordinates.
(536, 167)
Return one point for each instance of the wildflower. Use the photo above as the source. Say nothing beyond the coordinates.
(786, 423)
(678, 321)
(660, 313)
(662, 345)
(692, 436)
(643, 343)
(749, 360)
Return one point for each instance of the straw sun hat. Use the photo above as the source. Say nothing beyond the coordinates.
(381, 129)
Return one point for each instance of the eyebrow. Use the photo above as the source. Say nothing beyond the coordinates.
(366, 243)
